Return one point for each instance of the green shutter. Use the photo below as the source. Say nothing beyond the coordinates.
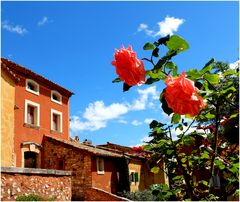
(136, 177)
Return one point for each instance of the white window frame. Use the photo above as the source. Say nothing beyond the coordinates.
(97, 161)
(53, 111)
(34, 83)
(34, 104)
(58, 94)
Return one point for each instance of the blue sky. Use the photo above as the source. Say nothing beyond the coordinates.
(72, 44)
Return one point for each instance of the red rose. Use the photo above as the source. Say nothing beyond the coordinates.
(182, 97)
(129, 69)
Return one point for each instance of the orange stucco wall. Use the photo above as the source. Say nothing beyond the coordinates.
(23, 133)
(107, 181)
(7, 120)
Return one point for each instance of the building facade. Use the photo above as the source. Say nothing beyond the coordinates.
(8, 83)
(40, 107)
(140, 176)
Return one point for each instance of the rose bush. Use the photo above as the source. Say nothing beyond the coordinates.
(182, 96)
(194, 158)
(129, 69)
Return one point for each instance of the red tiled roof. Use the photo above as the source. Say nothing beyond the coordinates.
(89, 148)
(5, 68)
(16, 68)
(127, 151)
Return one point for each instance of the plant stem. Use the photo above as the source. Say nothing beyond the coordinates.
(185, 174)
(215, 143)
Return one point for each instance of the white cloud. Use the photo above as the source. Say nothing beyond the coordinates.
(141, 102)
(167, 26)
(136, 123)
(234, 65)
(43, 21)
(14, 28)
(122, 121)
(97, 114)
(146, 139)
(148, 120)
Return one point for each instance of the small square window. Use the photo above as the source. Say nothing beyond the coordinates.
(56, 121)
(133, 176)
(100, 165)
(56, 97)
(32, 86)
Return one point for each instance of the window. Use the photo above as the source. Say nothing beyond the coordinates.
(56, 121)
(56, 97)
(133, 176)
(32, 86)
(30, 159)
(60, 164)
(32, 113)
(100, 166)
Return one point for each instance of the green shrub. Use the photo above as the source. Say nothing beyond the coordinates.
(145, 195)
(31, 197)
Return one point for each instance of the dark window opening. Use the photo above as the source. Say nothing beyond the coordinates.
(56, 97)
(30, 160)
(60, 164)
(32, 86)
(133, 177)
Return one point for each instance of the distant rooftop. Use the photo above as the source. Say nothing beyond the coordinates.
(89, 148)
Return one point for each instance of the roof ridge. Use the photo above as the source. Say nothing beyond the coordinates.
(19, 68)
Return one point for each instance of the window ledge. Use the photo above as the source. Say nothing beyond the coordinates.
(100, 172)
(55, 132)
(27, 125)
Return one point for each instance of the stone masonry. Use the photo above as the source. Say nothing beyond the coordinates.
(49, 184)
(75, 160)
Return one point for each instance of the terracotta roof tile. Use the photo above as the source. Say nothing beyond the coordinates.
(89, 148)
(16, 68)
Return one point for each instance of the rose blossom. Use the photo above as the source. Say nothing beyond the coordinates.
(182, 97)
(129, 69)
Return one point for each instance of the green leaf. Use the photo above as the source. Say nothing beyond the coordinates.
(117, 80)
(156, 74)
(208, 67)
(180, 177)
(205, 155)
(126, 87)
(148, 46)
(153, 124)
(229, 72)
(177, 43)
(204, 182)
(193, 74)
(180, 127)
(165, 107)
(233, 116)
(155, 170)
(212, 78)
(219, 164)
(151, 81)
(170, 65)
(210, 116)
(176, 118)
(170, 151)
(155, 52)
(163, 40)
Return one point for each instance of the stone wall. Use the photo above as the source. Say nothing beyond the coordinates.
(95, 194)
(75, 160)
(49, 184)
(7, 119)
